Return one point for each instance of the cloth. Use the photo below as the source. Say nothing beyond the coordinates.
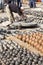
(15, 8)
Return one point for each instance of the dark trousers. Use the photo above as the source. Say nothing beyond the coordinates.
(19, 3)
(32, 4)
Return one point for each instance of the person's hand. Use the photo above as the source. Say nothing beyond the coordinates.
(22, 9)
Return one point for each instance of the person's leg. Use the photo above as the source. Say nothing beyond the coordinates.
(31, 4)
(19, 3)
(9, 13)
(34, 4)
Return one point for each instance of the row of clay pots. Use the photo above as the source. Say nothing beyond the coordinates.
(13, 54)
(34, 39)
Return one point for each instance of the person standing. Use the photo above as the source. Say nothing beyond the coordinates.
(32, 3)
